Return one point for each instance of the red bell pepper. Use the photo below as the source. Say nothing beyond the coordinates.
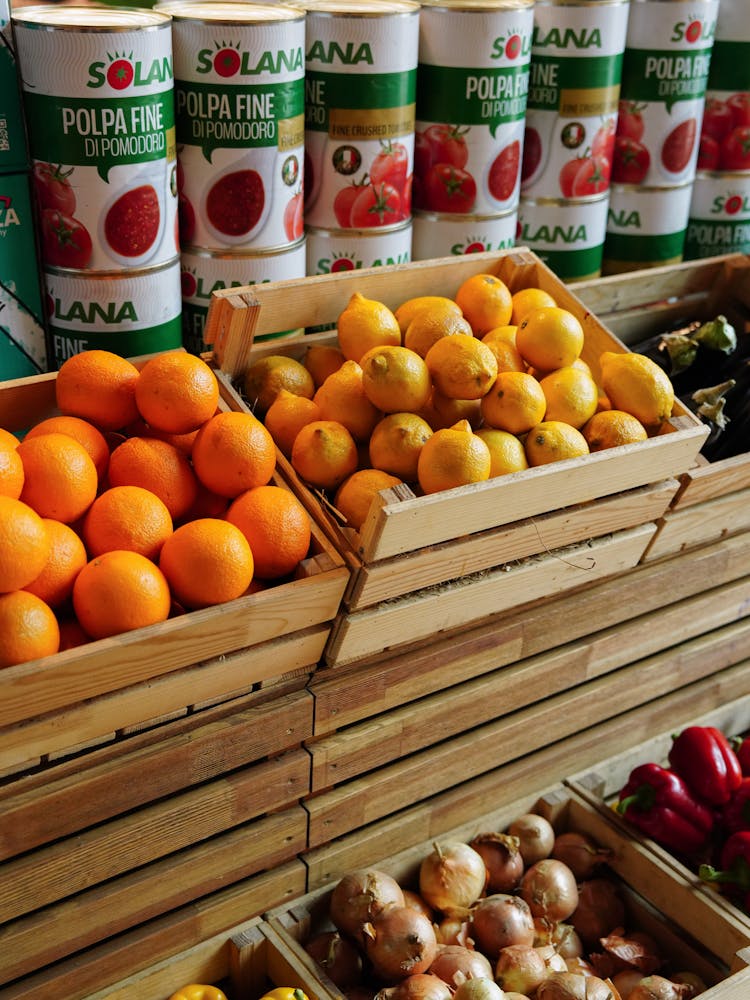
(705, 760)
(660, 804)
(736, 813)
(734, 875)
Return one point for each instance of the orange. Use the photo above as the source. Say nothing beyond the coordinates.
(549, 338)
(611, 428)
(461, 367)
(9, 439)
(286, 415)
(207, 562)
(429, 325)
(176, 392)
(98, 386)
(342, 398)
(232, 453)
(276, 526)
(67, 557)
(527, 299)
(435, 304)
(515, 403)
(24, 544)
(11, 471)
(119, 591)
(485, 301)
(395, 379)
(127, 517)
(158, 467)
(324, 454)
(554, 441)
(506, 353)
(355, 495)
(506, 451)
(265, 378)
(571, 394)
(84, 432)
(442, 411)
(507, 332)
(396, 442)
(60, 479)
(183, 442)
(207, 504)
(366, 323)
(453, 456)
(322, 360)
(28, 628)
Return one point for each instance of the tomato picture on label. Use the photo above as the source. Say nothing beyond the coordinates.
(631, 160)
(708, 153)
(65, 241)
(131, 225)
(52, 187)
(503, 175)
(734, 151)
(717, 118)
(120, 74)
(567, 176)
(390, 165)
(227, 62)
(449, 189)
(532, 152)
(677, 149)
(733, 204)
(513, 47)
(235, 202)
(739, 105)
(592, 176)
(343, 202)
(342, 264)
(693, 31)
(448, 144)
(294, 225)
(630, 122)
(188, 284)
(185, 219)
(603, 143)
(375, 205)
(422, 154)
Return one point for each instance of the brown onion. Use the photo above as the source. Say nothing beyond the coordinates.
(501, 920)
(600, 910)
(627, 981)
(659, 988)
(452, 877)
(420, 986)
(549, 887)
(576, 963)
(502, 859)
(553, 960)
(561, 935)
(479, 989)
(520, 968)
(453, 930)
(692, 979)
(573, 986)
(580, 853)
(535, 837)
(338, 958)
(399, 942)
(415, 901)
(358, 898)
(455, 963)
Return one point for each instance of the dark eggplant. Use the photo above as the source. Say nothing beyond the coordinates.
(694, 355)
(732, 411)
(673, 352)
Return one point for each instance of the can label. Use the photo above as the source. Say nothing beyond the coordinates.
(23, 346)
(14, 154)
(239, 100)
(360, 90)
(567, 236)
(129, 314)
(332, 252)
(647, 225)
(725, 128)
(664, 78)
(576, 66)
(454, 236)
(100, 111)
(719, 220)
(472, 88)
(203, 273)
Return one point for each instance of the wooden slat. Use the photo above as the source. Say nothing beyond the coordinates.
(709, 480)
(701, 524)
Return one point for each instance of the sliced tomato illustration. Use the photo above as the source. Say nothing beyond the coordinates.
(235, 202)
(132, 223)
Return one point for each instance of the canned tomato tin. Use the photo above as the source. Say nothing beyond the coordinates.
(329, 252)
(239, 109)
(725, 129)
(576, 65)
(454, 235)
(719, 220)
(14, 154)
(664, 77)
(645, 227)
(360, 89)
(568, 236)
(204, 272)
(472, 86)
(131, 313)
(99, 100)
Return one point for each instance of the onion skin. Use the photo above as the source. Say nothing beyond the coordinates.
(420, 986)
(415, 901)
(479, 989)
(626, 982)
(337, 957)
(455, 963)
(536, 837)
(358, 898)
(659, 988)
(503, 859)
(452, 930)
(549, 887)
(599, 912)
(559, 934)
(574, 986)
(501, 920)
(579, 853)
(452, 877)
(520, 968)
(400, 942)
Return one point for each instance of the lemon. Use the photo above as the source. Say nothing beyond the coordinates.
(506, 451)
(453, 456)
(549, 338)
(636, 384)
(366, 323)
(571, 394)
(554, 441)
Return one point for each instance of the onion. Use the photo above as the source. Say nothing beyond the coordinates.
(415, 901)
(502, 859)
(577, 963)
(580, 853)
(658, 988)
(358, 898)
(535, 837)
(452, 877)
(600, 910)
(561, 935)
(452, 930)
(553, 960)
(521, 968)
(500, 920)
(420, 986)
(627, 981)
(455, 963)
(338, 958)
(479, 989)
(549, 887)
(399, 942)
(692, 979)
(574, 986)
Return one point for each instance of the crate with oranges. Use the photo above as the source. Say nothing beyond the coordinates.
(447, 439)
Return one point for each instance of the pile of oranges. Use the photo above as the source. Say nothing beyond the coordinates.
(141, 500)
(444, 392)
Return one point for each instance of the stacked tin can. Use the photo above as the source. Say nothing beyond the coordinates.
(472, 90)
(99, 105)
(664, 77)
(576, 68)
(360, 85)
(239, 110)
(719, 220)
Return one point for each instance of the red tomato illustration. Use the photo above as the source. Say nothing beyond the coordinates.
(227, 62)
(375, 205)
(342, 264)
(708, 153)
(185, 219)
(53, 188)
(132, 223)
(503, 174)
(678, 146)
(422, 154)
(631, 161)
(343, 202)
(391, 165)
(717, 118)
(450, 189)
(567, 176)
(532, 152)
(513, 47)
(630, 120)
(592, 176)
(448, 144)
(188, 284)
(733, 204)
(293, 218)
(65, 241)
(739, 105)
(735, 149)
(693, 31)
(120, 74)
(603, 143)
(235, 202)
(406, 197)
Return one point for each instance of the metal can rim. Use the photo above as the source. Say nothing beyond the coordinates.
(123, 273)
(321, 231)
(367, 8)
(479, 6)
(49, 17)
(246, 14)
(205, 252)
(464, 218)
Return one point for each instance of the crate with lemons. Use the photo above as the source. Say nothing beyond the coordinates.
(463, 417)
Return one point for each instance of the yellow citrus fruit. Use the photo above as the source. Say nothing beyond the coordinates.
(355, 495)
(485, 301)
(571, 394)
(506, 353)
(549, 338)
(24, 544)
(554, 441)
(286, 415)
(207, 561)
(395, 379)
(321, 360)
(515, 403)
(324, 454)
(461, 367)
(453, 456)
(506, 451)
(435, 304)
(28, 628)
(265, 378)
(396, 442)
(176, 392)
(366, 323)
(442, 411)
(428, 326)
(507, 332)
(610, 428)
(343, 397)
(636, 384)
(527, 299)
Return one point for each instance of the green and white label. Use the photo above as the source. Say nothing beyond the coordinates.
(647, 225)
(569, 238)
(719, 220)
(453, 237)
